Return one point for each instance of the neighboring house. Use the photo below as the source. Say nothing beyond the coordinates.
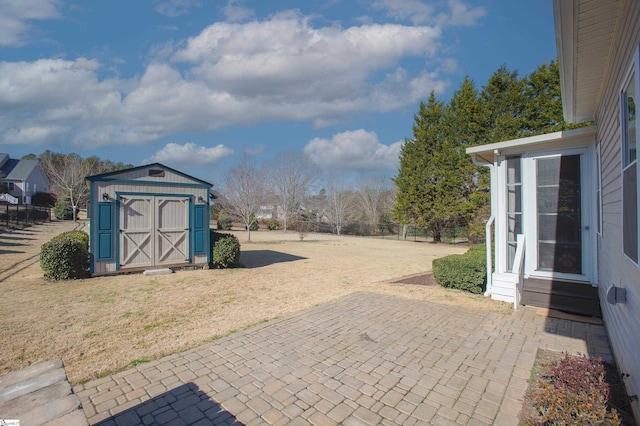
(22, 178)
(147, 217)
(574, 195)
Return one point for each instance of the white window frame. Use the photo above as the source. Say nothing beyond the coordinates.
(631, 77)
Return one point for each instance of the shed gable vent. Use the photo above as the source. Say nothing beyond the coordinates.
(156, 173)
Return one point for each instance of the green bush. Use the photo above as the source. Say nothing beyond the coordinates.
(272, 224)
(62, 210)
(66, 256)
(224, 222)
(78, 235)
(462, 271)
(225, 250)
(253, 223)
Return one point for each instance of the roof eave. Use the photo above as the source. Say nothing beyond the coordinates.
(564, 24)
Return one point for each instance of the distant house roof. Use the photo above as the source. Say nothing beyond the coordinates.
(18, 170)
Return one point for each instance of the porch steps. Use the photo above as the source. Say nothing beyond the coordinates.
(574, 298)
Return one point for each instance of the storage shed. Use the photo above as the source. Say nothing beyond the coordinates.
(147, 217)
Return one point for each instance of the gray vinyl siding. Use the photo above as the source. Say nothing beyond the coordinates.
(622, 320)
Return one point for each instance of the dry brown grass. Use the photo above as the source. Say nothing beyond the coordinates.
(104, 324)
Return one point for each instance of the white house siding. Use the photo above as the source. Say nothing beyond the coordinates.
(622, 320)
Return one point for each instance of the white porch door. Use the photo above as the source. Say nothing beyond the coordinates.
(557, 213)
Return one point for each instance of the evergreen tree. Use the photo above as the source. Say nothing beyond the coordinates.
(543, 101)
(430, 185)
(503, 105)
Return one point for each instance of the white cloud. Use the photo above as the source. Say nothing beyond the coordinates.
(255, 150)
(234, 11)
(449, 13)
(189, 154)
(230, 74)
(15, 16)
(356, 150)
(173, 8)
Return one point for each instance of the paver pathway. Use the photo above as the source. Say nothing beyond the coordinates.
(365, 359)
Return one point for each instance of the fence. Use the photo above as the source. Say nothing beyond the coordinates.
(384, 230)
(23, 214)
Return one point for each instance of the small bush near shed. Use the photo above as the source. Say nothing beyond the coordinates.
(62, 210)
(272, 224)
(224, 222)
(225, 250)
(66, 256)
(462, 271)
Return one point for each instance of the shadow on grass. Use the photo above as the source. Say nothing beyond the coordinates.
(186, 404)
(260, 258)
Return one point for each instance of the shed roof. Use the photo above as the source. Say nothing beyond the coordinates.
(585, 32)
(114, 174)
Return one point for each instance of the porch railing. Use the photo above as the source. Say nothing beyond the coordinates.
(489, 242)
(518, 269)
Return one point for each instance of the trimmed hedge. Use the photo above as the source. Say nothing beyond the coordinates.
(66, 256)
(225, 250)
(463, 271)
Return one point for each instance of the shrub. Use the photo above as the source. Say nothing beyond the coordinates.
(78, 235)
(573, 390)
(43, 199)
(272, 224)
(66, 256)
(225, 252)
(253, 223)
(224, 222)
(62, 210)
(462, 271)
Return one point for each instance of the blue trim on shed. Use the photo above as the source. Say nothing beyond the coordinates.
(102, 236)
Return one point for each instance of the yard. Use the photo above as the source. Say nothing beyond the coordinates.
(105, 324)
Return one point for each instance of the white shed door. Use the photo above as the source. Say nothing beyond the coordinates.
(154, 230)
(172, 230)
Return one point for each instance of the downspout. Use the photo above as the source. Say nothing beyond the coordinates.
(487, 228)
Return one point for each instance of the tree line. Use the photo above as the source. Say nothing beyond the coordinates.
(438, 186)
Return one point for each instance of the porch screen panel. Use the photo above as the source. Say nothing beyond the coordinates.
(559, 214)
(514, 207)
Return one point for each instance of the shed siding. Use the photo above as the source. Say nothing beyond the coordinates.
(622, 320)
(176, 195)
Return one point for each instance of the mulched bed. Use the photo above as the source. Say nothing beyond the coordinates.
(423, 279)
(539, 375)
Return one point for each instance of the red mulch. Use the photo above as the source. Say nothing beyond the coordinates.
(424, 279)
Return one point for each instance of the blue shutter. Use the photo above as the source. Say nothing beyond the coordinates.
(199, 229)
(105, 232)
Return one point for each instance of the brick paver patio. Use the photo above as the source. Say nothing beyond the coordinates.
(365, 359)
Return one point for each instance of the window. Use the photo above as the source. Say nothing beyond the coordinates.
(628, 106)
(11, 186)
(514, 207)
(26, 188)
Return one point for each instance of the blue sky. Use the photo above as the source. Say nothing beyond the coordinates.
(197, 84)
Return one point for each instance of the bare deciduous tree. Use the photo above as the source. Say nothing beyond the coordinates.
(66, 173)
(291, 177)
(373, 196)
(338, 200)
(245, 191)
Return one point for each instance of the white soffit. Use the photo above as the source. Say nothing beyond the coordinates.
(485, 153)
(585, 31)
